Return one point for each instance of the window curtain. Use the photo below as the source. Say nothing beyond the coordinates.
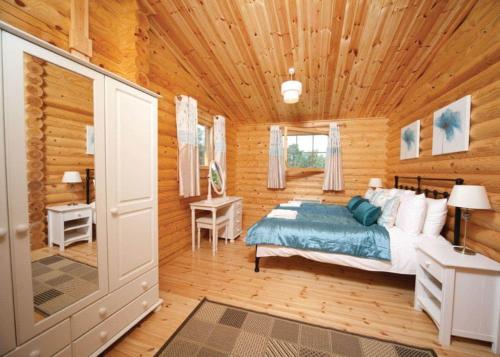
(186, 116)
(220, 142)
(276, 170)
(334, 178)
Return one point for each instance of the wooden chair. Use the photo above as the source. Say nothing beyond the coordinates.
(207, 223)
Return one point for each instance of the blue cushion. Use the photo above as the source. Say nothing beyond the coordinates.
(355, 202)
(367, 214)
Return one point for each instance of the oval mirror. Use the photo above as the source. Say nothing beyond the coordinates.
(216, 177)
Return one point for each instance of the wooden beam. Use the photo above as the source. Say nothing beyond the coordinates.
(79, 42)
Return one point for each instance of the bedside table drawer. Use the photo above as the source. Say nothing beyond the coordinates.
(68, 216)
(430, 265)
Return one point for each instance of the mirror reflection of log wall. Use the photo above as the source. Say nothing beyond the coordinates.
(447, 79)
(59, 106)
(363, 153)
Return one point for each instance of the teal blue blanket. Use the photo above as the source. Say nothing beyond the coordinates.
(325, 228)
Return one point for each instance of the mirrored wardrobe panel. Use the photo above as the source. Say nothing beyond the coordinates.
(55, 156)
(59, 169)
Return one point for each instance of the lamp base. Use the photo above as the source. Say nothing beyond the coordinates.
(463, 250)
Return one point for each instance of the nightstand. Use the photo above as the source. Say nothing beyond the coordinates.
(461, 293)
(69, 224)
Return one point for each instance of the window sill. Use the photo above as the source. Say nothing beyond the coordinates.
(297, 170)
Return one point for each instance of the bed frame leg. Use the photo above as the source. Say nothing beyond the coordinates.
(257, 260)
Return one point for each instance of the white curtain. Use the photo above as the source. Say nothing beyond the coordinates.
(220, 142)
(334, 178)
(186, 115)
(276, 171)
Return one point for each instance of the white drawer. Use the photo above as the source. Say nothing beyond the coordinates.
(66, 352)
(99, 311)
(46, 344)
(105, 331)
(430, 265)
(68, 216)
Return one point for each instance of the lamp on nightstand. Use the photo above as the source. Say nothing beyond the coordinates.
(72, 177)
(375, 182)
(468, 197)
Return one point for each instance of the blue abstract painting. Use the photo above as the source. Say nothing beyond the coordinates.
(410, 139)
(450, 132)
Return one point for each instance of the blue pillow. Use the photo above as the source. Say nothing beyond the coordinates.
(355, 202)
(367, 214)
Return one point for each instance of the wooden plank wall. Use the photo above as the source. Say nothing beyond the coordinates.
(125, 43)
(363, 150)
(468, 64)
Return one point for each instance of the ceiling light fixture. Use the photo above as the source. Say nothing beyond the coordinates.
(291, 90)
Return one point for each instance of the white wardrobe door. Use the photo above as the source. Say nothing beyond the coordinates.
(7, 327)
(131, 161)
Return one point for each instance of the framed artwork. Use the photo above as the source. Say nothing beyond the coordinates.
(450, 131)
(90, 140)
(410, 141)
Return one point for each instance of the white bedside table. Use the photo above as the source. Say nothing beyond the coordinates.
(461, 293)
(69, 224)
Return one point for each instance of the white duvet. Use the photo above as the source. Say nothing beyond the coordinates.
(403, 255)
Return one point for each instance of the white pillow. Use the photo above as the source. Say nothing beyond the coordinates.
(369, 193)
(435, 218)
(411, 213)
(380, 198)
(389, 212)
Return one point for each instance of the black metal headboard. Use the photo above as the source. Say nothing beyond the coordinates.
(435, 194)
(89, 176)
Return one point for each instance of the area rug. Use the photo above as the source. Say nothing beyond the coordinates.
(215, 329)
(59, 282)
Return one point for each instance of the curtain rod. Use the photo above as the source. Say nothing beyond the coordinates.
(322, 126)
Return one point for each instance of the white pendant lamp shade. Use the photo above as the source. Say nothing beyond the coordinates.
(291, 90)
(71, 177)
(375, 182)
(469, 196)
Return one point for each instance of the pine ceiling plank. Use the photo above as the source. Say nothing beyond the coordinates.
(354, 57)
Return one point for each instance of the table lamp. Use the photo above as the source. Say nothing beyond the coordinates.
(375, 182)
(71, 177)
(468, 197)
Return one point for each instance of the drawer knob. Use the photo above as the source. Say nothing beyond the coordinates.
(145, 304)
(3, 232)
(103, 335)
(22, 229)
(35, 353)
(114, 211)
(144, 285)
(103, 311)
(427, 263)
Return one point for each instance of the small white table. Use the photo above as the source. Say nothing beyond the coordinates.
(461, 293)
(69, 224)
(234, 207)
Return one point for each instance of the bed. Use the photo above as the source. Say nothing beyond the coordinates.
(390, 251)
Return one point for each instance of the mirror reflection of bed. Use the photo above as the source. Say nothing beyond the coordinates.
(60, 166)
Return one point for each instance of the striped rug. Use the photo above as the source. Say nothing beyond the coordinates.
(215, 329)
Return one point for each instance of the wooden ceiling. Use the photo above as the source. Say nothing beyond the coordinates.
(355, 58)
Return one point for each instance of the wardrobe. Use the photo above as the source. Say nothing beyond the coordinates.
(60, 114)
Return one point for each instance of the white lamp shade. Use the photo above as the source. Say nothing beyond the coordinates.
(375, 182)
(291, 91)
(71, 177)
(469, 196)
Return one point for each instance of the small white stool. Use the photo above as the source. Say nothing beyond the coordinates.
(207, 223)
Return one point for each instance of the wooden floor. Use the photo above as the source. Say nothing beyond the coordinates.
(83, 252)
(372, 304)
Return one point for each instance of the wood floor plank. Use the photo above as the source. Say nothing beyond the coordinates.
(373, 304)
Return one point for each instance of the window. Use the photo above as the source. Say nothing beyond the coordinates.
(203, 144)
(306, 151)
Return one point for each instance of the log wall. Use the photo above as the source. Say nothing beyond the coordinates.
(363, 150)
(467, 64)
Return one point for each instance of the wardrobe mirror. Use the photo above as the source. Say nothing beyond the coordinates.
(60, 174)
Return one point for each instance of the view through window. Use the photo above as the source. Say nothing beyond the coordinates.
(306, 151)
(203, 144)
